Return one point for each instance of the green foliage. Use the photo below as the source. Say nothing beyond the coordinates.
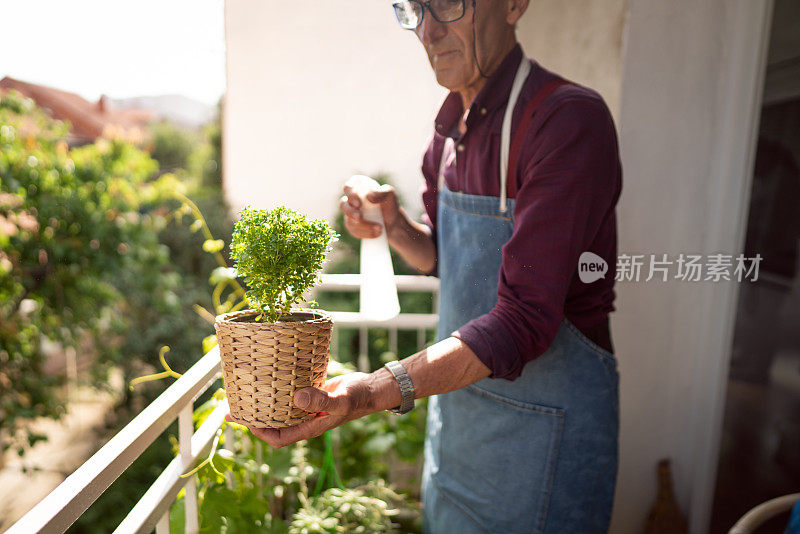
(279, 253)
(93, 256)
(271, 487)
(92, 249)
(206, 161)
(172, 146)
(79, 244)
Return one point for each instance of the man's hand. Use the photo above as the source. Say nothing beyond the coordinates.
(342, 399)
(412, 240)
(445, 366)
(351, 205)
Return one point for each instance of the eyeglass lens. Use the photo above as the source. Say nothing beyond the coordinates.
(410, 12)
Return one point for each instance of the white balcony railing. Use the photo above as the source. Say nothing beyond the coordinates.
(58, 510)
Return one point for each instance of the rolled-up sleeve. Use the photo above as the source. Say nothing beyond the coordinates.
(569, 185)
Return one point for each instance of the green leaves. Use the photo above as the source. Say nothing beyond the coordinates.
(279, 253)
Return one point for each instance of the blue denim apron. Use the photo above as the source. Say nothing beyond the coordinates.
(534, 455)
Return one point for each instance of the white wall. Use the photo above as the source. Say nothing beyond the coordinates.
(317, 91)
(689, 107)
(579, 39)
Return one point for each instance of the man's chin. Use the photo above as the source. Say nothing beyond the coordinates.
(446, 78)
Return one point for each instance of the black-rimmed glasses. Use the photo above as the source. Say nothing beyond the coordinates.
(410, 12)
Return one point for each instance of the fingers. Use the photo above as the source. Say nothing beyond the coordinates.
(354, 220)
(315, 400)
(350, 211)
(362, 229)
(351, 196)
(334, 406)
(382, 194)
(348, 208)
(281, 437)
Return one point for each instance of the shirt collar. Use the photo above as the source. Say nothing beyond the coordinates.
(492, 95)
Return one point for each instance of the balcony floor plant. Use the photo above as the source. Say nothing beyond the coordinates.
(274, 348)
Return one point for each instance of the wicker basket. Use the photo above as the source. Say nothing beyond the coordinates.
(263, 364)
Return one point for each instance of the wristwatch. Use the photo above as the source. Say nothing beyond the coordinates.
(406, 387)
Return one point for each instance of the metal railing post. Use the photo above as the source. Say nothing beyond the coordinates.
(185, 433)
(393, 341)
(260, 462)
(420, 338)
(363, 349)
(229, 438)
(162, 527)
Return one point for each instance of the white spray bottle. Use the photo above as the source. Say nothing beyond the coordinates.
(378, 295)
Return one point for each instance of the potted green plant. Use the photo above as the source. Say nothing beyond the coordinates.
(273, 349)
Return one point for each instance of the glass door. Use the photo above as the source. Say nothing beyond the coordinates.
(760, 448)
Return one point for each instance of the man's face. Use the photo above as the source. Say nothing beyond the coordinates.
(450, 45)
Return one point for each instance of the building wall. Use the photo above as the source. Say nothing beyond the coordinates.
(579, 39)
(318, 93)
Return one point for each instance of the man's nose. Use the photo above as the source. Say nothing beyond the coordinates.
(431, 30)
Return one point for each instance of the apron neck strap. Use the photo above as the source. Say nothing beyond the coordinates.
(523, 71)
(505, 134)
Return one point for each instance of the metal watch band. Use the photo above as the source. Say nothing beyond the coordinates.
(406, 387)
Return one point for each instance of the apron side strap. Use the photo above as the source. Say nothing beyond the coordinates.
(525, 122)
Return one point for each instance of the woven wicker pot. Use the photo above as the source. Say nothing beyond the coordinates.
(263, 364)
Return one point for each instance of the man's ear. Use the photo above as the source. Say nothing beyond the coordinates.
(516, 8)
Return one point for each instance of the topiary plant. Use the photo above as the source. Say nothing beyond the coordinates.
(279, 253)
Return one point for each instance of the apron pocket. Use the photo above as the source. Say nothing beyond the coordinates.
(497, 458)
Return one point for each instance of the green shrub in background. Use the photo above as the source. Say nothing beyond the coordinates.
(172, 146)
(79, 245)
(94, 256)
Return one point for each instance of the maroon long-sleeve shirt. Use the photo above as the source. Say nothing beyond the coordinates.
(568, 182)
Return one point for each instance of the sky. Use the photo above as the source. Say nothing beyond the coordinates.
(120, 48)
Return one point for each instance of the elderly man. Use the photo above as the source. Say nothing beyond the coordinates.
(522, 176)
